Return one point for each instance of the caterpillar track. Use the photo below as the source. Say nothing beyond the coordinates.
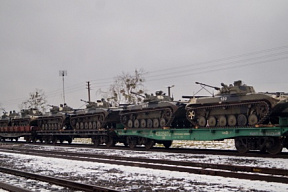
(231, 115)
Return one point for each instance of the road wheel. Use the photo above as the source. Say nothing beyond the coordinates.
(242, 120)
(143, 123)
(212, 121)
(149, 123)
(136, 123)
(162, 122)
(222, 122)
(252, 119)
(202, 121)
(130, 123)
(155, 123)
(232, 120)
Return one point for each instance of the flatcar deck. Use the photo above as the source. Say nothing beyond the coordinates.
(204, 134)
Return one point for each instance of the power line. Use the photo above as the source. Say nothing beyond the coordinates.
(222, 59)
(242, 60)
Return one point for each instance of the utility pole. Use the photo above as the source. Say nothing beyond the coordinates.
(169, 88)
(88, 87)
(63, 73)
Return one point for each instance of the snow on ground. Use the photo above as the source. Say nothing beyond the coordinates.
(126, 178)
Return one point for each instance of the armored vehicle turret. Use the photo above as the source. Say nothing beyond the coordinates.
(97, 115)
(156, 111)
(236, 105)
(56, 119)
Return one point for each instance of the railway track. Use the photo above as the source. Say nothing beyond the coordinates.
(282, 155)
(54, 180)
(223, 170)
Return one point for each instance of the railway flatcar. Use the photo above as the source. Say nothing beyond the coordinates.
(256, 121)
(15, 125)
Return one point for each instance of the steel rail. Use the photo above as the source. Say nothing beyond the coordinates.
(57, 181)
(12, 188)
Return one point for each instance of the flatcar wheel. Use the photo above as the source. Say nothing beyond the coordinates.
(274, 145)
(155, 123)
(130, 123)
(201, 121)
(143, 123)
(162, 122)
(77, 126)
(96, 141)
(136, 123)
(167, 144)
(69, 140)
(27, 139)
(86, 125)
(149, 144)
(54, 140)
(242, 120)
(110, 142)
(241, 145)
(47, 140)
(232, 121)
(252, 119)
(149, 123)
(132, 142)
(212, 121)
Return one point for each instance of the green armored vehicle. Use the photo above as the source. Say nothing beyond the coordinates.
(156, 111)
(5, 118)
(97, 115)
(25, 118)
(236, 105)
(56, 119)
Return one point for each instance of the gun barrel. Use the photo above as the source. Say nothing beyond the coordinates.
(216, 88)
(84, 101)
(137, 94)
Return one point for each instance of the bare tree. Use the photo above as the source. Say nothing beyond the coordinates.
(123, 86)
(2, 108)
(37, 100)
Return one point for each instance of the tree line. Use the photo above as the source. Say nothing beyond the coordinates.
(120, 91)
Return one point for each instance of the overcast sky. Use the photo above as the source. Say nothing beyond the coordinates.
(175, 42)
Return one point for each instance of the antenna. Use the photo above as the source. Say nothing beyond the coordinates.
(63, 73)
